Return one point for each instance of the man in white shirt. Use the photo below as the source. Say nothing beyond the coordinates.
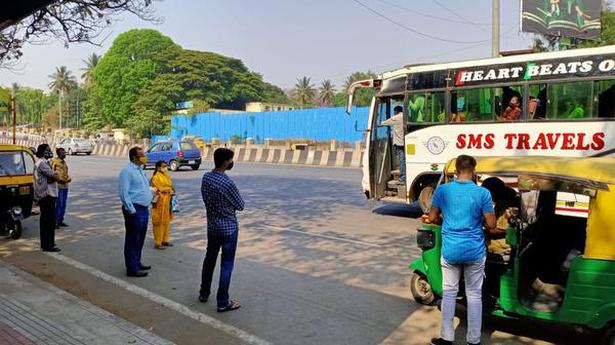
(397, 122)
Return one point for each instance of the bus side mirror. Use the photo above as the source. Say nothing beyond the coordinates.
(349, 101)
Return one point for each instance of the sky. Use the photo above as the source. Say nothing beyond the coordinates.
(288, 39)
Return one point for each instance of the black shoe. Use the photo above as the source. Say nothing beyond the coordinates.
(52, 250)
(145, 267)
(137, 274)
(63, 225)
(440, 341)
(203, 299)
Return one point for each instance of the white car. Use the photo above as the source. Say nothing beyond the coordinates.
(74, 146)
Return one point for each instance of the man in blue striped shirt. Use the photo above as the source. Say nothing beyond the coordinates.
(136, 197)
(465, 207)
(222, 200)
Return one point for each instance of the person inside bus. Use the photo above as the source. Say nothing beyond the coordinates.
(397, 123)
(576, 111)
(457, 104)
(532, 106)
(513, 110)
(416, 109)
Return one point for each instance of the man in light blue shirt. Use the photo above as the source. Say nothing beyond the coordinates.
(465, 208)
(136, 197)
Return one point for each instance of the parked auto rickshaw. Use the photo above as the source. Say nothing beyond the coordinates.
(16, 188)
(559, 265)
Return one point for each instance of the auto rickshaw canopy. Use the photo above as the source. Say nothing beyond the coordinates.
(598, 169)
(600, 240)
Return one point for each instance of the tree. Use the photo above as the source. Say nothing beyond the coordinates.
(90, 63)
(362, 97)
(62, 80)
(274, 94)
(69, 21)
(304, 91)
(326, 93)
(133, 61)
(32, 104)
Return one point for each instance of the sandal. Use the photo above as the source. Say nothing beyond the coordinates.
(232, 305)
(160, 247)
(167, 244)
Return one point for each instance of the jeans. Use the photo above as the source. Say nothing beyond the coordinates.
(474, 273)
(136, 229)
(401, 156)
(61, 205)
(47, 206)
(228, 244)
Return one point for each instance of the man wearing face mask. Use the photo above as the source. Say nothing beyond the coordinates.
(136, 197)
(46, 194)
(222, 200)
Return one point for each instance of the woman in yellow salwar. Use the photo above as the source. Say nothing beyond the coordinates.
(161, 209)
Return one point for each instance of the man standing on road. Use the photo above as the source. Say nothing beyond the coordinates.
(397, 122)
(465, 207)
(136, 197)
(61, 169)
(222, 200)
(45, 194)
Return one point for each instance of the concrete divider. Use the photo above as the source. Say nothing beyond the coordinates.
(331, 158)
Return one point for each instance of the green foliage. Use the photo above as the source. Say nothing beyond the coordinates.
(304, 91)
(326, 92)
(273, 94)
(90, 63)
(198, 106)
(62, 80)
(362, 97)
(134, 60)
(607, 36)
(32, 104)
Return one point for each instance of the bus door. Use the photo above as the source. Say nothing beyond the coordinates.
(380, 150)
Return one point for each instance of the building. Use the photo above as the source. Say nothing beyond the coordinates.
(257, 107)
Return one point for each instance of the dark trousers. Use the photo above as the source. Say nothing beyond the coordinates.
(61, 205)
(48, 222)
(228, 244)
(136, 229)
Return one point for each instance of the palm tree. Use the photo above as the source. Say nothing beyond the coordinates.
(90, 63)
(62, 80)
(326, 92)
(304, 91)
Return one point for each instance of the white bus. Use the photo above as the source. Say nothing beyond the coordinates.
(566, 108)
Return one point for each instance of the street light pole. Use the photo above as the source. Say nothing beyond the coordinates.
(495, 29)
(14, 112)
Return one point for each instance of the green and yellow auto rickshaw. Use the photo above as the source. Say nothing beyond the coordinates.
(557, 260)
(16, 188)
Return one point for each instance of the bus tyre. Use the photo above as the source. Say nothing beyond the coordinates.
(173, 165)
(421, 290)
(15, 233)
(608, 335)
(425, 198)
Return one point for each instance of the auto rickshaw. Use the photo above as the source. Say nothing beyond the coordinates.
(560, 262)
(196, 139)
(16, 188)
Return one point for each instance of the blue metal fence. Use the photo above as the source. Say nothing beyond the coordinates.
(321, 124)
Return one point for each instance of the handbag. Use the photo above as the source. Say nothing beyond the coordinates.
(175, 204)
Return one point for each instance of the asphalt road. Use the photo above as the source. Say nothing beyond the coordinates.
(316, 264)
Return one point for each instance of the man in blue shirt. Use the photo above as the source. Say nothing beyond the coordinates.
(136, 197)
(222, 200)
(465, 208)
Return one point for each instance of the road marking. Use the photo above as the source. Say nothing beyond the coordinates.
(329, 237)
(180, 308)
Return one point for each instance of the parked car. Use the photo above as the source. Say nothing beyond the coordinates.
(74, 146)
(176, 153)
(196, 139)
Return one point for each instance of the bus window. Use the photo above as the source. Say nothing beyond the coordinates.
(508, 103)
(605, 96)
(537, 103)
(570, 101)
(472, 105)
(427, 107)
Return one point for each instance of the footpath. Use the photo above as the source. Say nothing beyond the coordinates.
(35, 312)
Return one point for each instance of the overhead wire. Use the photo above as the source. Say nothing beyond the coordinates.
(427, 15)
(403, 26)
(467, 21)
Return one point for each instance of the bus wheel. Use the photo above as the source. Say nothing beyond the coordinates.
(425, 198)
(608, 335)
(421, 290)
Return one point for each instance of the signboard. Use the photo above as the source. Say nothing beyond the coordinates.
(569, 18)
(582, 66)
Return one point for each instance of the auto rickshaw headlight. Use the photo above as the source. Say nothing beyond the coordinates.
(16, 210)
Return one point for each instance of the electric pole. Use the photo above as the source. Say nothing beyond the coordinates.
(495, 29)
(14, 111)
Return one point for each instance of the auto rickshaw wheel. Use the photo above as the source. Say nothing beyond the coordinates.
(421, 290)
(608, 335)
(15, 233)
